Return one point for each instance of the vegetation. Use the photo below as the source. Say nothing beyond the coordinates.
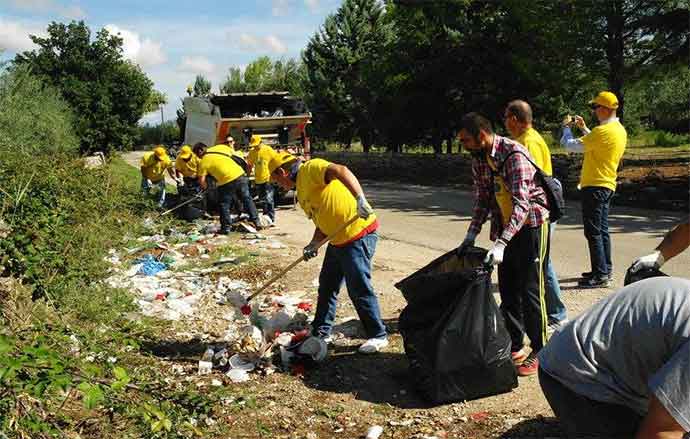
(107, 93)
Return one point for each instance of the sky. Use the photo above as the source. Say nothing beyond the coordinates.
(173, 40)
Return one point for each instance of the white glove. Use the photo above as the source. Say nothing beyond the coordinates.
(655, 260)
(148, 183)
(363, 207)
(495, 255)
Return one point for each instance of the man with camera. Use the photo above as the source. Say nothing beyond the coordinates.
(603, 148)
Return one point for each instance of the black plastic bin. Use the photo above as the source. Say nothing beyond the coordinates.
(453, 331)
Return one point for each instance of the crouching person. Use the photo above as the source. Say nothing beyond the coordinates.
(153, 167)
(331, 195)
(622, 369)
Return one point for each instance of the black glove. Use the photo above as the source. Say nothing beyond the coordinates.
(310, 251)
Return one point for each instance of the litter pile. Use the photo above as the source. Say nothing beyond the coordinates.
(181, 275)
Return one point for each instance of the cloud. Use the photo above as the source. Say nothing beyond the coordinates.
(313, 5)
(197, 65)
(144, 52)
(280, 7)
(47, 7)
(14, 36)
(269, 43)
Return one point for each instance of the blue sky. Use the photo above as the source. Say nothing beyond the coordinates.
(173, 41)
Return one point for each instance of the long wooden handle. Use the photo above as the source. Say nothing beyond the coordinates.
(196, 197)
(301, 258)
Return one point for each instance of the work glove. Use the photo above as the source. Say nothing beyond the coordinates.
(363, 207)
(654, 260)
(148, 184)
(495, 255)
(466, 244)
(310, 251)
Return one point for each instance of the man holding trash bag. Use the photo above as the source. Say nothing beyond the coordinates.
(505, 187)
(330, 196)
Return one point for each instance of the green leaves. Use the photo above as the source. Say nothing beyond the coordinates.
(122, 379)
(92, 394)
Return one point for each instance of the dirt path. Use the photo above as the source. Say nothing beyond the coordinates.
(349, 392)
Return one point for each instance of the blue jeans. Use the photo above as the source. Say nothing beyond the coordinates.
(555, 309)
(146, 189)
(595, 216)
(266, 194)
(351, 263)
(227, 193)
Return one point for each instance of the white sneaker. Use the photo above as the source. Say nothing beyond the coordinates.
(373, 345)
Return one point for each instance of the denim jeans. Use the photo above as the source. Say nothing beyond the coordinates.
(351, 263)
(581, 417)
(595, 216)
(228, 193)
(266, 194)
(146, 189)
(555, 309)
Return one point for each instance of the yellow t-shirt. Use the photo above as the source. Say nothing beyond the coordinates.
(604, 147)
(188, 168)
(259, 157)
(537, 148)
(504, 198)
(154, 169)
(221, 167)
(330, 205)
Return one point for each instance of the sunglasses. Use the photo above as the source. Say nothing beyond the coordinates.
(594, 106)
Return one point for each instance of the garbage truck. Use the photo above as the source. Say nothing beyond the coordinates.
(279, 118)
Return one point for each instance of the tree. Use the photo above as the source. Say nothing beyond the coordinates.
(155, 100)
(202, 86)
(342, 61)
(263, 75)
(108, 94)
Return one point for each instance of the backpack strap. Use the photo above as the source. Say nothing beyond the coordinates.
(538, 171)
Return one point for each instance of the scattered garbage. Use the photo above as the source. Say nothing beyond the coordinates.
(206, 362)
(238, 375)
(150, 266)
(374, 432)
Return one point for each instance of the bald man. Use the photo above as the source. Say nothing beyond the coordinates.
(518, 121)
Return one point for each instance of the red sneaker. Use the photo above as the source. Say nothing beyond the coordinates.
(518, 357)
(529, 367)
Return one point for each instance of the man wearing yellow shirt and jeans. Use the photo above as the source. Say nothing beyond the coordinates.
(518, 122)
(231, 180)
(187, 166)
(153, 167)
(258, 158)
(330, 196)
(603, 148)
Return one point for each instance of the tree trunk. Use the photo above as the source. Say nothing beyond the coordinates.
(615, 47)
(438, 144)
(449, 145)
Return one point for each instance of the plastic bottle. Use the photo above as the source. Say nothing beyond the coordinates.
(206, 362)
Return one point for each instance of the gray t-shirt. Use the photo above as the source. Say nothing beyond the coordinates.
(628, 346)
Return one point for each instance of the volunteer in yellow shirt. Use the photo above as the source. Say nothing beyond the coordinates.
(518, 121)
(258, 158)
(603, 148)
(187, 167)
(331, 195)
(153, 166)
(232, 182)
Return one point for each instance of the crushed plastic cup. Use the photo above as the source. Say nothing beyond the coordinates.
(206, 362)
(374, 432)
(236, 362)
(238, 375)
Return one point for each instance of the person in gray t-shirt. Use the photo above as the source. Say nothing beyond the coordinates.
(622, 368)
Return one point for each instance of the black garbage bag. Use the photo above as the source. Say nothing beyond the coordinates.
(192, 205)
(453, 332)
(632, 277)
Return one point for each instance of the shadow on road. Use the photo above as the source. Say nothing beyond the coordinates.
(537, 428)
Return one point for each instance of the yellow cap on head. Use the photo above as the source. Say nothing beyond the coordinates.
(278, 160)
(159, 152)
(185, 152)
(605, 99)
(254, 140)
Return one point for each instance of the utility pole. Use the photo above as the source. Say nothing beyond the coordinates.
(161, 129)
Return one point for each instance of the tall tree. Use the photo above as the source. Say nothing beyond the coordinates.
(202, 86)
(263, 74)
(155, 100)
(108, 93)
(343, 61)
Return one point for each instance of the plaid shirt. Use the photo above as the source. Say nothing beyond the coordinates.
(518, 174)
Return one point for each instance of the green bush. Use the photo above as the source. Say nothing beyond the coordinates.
(666, 139)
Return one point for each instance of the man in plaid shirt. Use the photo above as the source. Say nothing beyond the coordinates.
(505, 189)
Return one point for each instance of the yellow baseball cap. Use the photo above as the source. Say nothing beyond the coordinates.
(605, 99)
(185, 152)
(278, 160)
(159, 152)
(255, 140)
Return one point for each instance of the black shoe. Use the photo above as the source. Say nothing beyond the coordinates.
(589, 275)
(224, 232)
(595, 282)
